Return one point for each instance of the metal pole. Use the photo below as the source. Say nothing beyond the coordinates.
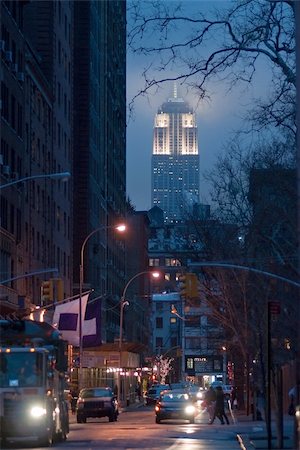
(183, 342)
(123, 302)
(269, 361)
(80, 321)
(63, 175)
(120, 348)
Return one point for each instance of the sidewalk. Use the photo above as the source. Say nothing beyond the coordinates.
(253, 434)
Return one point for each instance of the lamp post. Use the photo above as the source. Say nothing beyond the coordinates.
(124, 303)
(183, 319)
(120, 228)
(60, 175)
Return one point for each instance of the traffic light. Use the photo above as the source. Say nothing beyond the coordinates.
(47, 292)
(189, 285)
(58, 289)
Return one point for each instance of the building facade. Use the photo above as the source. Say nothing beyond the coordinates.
(100, 152)
(35, 144)
(175, 159)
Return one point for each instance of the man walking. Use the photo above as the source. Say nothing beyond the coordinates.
(210, 399)
(219, 409)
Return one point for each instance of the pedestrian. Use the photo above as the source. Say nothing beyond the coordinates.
(73, 400)
(233, 399)
(219, 409)
(293, 399)
(138, 392)
(210, 400)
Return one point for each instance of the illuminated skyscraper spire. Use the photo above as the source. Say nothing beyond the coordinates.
(175, 90)
(175, 159)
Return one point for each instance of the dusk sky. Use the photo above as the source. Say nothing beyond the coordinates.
(217, 119)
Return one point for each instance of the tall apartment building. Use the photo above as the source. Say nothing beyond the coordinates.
(175, 159)
(48, 132)
(12, 63)
(100, 152)
(36, 108)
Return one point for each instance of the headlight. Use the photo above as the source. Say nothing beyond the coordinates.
(190, 409)
(157, 408)
(200, 395)
(38, 411)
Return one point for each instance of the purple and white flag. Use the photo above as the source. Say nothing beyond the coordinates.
(66, 320)
(92, 324)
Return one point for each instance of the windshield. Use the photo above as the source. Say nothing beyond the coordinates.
(90, 393)
(171, 397)
(21, 369)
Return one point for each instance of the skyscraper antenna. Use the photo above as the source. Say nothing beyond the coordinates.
(175, 90)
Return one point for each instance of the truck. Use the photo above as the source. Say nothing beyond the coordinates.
(33, 374)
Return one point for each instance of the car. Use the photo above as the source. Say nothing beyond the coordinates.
(153, 393)
(174, 404)
(196, 392)
(96, 402)
(179, 385)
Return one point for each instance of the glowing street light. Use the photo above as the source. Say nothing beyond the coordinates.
(64, 176)
(121, 228)
(124, 303)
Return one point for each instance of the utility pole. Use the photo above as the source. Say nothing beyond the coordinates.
(297, 365)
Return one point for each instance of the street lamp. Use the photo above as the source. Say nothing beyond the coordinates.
(183, 319)
(124, 303)
(120, 228)
(60, 175)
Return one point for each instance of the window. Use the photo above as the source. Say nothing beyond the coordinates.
(154, 262)
(192, 321)
(159, 322)
(5, 101)
(159, 343)
(159, 306)
(193, 343)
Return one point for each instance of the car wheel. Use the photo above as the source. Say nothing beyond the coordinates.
(111, 418)
(79, 420)
(157, 420)
(83, 420)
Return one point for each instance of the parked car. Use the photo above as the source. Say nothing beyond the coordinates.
(153, 393)
(96, 402)
(174, 404)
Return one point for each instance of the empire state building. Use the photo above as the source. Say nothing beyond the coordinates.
(175, 160)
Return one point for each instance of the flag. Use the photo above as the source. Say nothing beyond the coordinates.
(66, 320)
(92, 324)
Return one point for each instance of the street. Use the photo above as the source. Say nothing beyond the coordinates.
(136, 429)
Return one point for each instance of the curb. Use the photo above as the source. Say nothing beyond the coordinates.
(244, 442)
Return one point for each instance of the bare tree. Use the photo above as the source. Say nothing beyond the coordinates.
(228, 45)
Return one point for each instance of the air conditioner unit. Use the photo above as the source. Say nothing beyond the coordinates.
(6, 170)
(8, 56)
(2, 45)
(20, 76)
(14, 67)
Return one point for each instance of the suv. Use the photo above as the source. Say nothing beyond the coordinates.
(96, 402)
(153, 393)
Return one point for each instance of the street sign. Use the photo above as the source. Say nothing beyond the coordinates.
(274, 308)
